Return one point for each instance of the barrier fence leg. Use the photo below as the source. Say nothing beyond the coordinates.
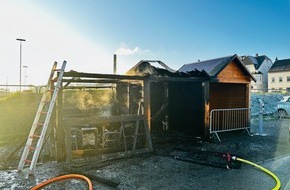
(217, 137)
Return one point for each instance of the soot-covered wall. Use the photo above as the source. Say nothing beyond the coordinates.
(186, 107)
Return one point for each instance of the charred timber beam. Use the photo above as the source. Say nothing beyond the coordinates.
(92, 177)
(94, 120)
(180, 79)
(111, 156)
(104, 76)
(88, 87)
(91, 81)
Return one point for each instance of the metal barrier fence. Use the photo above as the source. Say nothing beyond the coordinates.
(222, 120)
(17, 111)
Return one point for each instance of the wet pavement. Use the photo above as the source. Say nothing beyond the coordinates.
(160, 170)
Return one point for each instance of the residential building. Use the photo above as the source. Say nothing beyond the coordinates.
(279, 76)
(258, 67)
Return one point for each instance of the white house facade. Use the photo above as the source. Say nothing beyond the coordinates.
(259, 67)
(279, 76)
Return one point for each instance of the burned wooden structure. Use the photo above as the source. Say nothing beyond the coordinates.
(147, 99)
(139, 105)
(177, 99)
(89, 129)
(183, 100)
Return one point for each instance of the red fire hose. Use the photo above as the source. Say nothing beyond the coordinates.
(68, 176)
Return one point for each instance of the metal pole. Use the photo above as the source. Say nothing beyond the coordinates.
(25, 67)
(115, 64)
(261, 111)
(20, 40)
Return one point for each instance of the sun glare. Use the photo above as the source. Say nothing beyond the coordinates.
(48, 39)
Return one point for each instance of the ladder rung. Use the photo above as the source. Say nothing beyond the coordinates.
(31, 148)
(34, 136)
(110, 140)
(53, 86)
(139, 134)
(54, 80)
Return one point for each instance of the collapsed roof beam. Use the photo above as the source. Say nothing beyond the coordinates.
(100, 76)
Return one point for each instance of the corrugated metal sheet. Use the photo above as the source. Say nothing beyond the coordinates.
(212, 67)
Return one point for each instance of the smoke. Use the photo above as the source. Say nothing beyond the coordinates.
(85, 100)
(130, 51)
(127, 51)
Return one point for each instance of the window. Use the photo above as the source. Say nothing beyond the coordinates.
(273, 79)
(288, 78)
(280, 79)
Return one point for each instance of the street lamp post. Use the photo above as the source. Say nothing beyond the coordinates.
(20, 40)
(25, 76)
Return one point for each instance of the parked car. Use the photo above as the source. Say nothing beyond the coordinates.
(283, 107)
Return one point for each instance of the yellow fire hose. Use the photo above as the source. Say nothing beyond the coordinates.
(68, 176)
(278, 183)
(277, 187)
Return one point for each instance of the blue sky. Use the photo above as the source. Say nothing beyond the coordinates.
(86, 33)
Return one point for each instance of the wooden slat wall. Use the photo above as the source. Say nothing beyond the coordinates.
(232, 73)
(232, 89)
(227, 95)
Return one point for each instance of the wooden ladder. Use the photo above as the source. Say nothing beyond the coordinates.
(41, 121)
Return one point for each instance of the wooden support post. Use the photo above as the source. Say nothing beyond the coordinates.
(248, 104)
(128, 97)
(68, 143)
(147, 102)
(206, 87)
(52, 139)
(60, 133)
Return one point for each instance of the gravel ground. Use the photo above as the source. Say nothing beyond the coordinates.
(160, 170)
(163, 170)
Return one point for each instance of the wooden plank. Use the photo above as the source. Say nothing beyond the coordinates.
(61, 149)
(94, 120)
(160, 110)
(106, 81)
(206, 108)
(147, 103)
(110, 156)
(104, 76)
(227, 96)
(232, 73)
(148, 136)
(68, 143)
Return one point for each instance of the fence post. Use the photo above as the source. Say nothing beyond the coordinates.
(261, 112)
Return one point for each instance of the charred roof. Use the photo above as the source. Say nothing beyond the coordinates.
(144, 68)
(214, 66)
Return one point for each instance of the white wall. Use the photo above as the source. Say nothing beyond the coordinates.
(277, 84)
